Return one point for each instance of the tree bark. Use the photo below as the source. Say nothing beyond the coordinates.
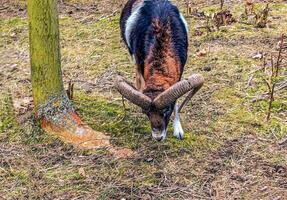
(52, 106)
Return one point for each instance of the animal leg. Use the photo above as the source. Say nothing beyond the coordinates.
(177, 128)
(140, 83)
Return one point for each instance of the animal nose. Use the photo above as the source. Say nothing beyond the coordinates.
(158, 138)
(158, 135)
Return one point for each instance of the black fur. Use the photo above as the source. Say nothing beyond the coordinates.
(142, 35)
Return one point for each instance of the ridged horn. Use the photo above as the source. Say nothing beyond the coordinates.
(132, 94)
(194, 82)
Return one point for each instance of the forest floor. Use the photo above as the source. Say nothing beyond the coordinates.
(229, 150)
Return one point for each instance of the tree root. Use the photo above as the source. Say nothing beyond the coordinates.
(72, 130)
(58, 117)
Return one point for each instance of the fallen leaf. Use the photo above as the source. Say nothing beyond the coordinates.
(82, 172)
(202, 52)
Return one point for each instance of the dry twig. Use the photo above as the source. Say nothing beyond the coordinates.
(272, 81)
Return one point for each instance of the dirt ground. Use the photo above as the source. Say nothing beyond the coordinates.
(229, 150)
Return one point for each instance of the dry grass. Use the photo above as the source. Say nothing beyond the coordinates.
(229, 152)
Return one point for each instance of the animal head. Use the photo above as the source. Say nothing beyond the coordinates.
(158, 117)
(159, 106)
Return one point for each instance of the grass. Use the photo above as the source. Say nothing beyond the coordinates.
(229, 151)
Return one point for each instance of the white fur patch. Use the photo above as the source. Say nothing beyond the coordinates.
(177, 128)
(184, 21)
(131, 22)
(156, 135)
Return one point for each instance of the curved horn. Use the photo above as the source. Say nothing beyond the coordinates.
(194, 82)
(131, 94)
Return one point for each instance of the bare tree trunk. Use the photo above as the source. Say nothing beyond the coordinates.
(52, 106)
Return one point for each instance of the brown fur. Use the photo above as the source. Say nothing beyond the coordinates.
(140, 82)
(162, 66)
(156, 120)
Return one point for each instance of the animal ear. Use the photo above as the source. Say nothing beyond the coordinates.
(130, 93)
(194, 82)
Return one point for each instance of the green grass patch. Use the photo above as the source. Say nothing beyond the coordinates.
(8, 125)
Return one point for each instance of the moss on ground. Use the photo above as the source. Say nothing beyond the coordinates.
(8, 127)
(128, 127)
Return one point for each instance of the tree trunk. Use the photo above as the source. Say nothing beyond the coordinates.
(52, 106)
